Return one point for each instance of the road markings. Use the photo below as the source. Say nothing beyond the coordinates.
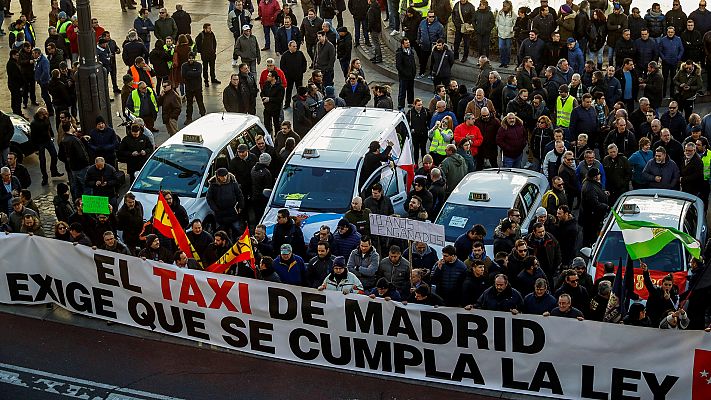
(71, 387)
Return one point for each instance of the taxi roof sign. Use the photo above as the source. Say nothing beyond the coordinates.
(188, 138)
(630, 208)
(310, 153)
(477, 196)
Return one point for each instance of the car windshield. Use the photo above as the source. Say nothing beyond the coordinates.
(314, 189)
(458, 219)
(667, 260)
(177, 168)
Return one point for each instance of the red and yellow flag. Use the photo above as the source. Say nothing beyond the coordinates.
(241, 251)
(164, 221)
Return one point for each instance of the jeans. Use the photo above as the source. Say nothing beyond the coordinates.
(407, 88)
(49, 146)
(208, 64)
(376, 46)
(328, 77)
(482, 44)
(668, 71)
(610, 55)
(76, 182)
(364, 24)
(345, 65)
(509, 162)
(505, 50)
(189, 96)
(267, 36)
(44, 91)
(393, 15)
(458, 36)
(595, 55)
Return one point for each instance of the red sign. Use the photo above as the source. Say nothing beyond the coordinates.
(701, 381)
(656, 277)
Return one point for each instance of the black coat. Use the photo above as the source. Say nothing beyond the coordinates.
(7, 130)
(281, 42)
(192, 76)
(231, 99)
(73, 152)
(131, 50)
(182, 20)
(41, 131)
(275, 93)
(241, 169)
(344, 46)
(355, 98)
(128, 145)
(294, 66)
(692, 175)
(224, 199)
(261, 179)
(405, 64)
(107, 175)
(593, 207)
(15, 79)
(375, 24)
(359, 9)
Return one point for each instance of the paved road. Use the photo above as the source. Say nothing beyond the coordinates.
(49, 360)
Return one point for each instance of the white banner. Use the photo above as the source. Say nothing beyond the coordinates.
(553, 357)
(407, 229)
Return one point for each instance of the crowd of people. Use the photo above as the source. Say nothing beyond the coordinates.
(594, 125)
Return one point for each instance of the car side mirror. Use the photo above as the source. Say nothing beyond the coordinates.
(267, 193)
(586, 252)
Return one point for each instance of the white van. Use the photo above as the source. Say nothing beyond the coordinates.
(184, 162)
(321, 175)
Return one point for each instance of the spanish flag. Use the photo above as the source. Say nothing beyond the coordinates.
(241, 251)
(164, 220)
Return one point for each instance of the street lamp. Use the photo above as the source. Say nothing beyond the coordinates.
(92, 81)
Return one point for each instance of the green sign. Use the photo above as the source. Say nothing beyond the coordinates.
(95, 204)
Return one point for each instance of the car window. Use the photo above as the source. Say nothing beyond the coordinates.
(669, 259)
(529, 195)
(389, 182)
(221, 161)
(178, 168)
(245, 137)
(458, 219)
(314, 189)
(518, 204)
(690, 220)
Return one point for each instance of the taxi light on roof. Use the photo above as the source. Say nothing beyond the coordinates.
(310, 153)
(475, 196)
(192, 138)
(630, 208)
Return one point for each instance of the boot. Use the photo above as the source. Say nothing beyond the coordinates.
(599, 66)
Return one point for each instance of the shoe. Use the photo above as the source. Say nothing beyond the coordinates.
(123, 10)
(258, 18)
(34, 103)
(456, 56)
(286, 107)
(57, 174)
(464, 59)
(154, 130)
(265, 48)
(420, 76)
(207, 84)
(188, 121)
(117, 90)
(131, 7)
(393, 33)
(24, 106)
(111, 99)
(234, 63)
(372, 59)
(216, 81)
(45, 182)
(368, 44)
(377, 61)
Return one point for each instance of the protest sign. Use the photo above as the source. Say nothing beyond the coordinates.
(95, 204)
(407, 229)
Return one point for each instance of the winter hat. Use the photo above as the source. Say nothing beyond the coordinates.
(420, 180)
(382, 284)
(150, 239)
(62, 14)
(265, 159)
(302, 91)
(330, 91)
(577, 262)
(285, 249)
(339, 261)
(565, 9)
(343, 223)
(342, 29)
(242, 147)
(571, 40)
(100, 119)
(222, 171)
(62, 188)
(617, 6)
(541, 211)
(16, 200)
(696, 128)
(593, 172)
(563, 88)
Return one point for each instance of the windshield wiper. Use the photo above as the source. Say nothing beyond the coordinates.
(179, 167)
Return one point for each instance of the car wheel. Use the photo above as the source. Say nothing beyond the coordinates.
(15, 148)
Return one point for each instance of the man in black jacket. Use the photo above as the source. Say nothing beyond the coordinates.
(375, 27)
(406, 70)
(692, 171)
(15, 83)
(373, 160)
(226, 201)
(419, 118)
(192, 71)
(73, 152)
(272, 98)
(294, 65)
(241, 167)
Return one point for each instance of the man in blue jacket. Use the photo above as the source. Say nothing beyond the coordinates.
(575, 56)
(429, 31)
(42, 77)
(583, 119)
(671, 50)
(646, 50)
(448, 274)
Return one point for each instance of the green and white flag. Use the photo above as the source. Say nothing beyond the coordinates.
(645, 239)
